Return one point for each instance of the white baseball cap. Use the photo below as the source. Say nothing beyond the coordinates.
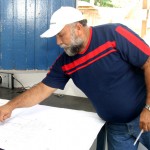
(63, 16)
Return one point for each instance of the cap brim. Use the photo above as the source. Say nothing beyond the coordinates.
(52, 31)
(48, 33)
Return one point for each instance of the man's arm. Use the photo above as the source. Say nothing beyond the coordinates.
(29, 98)
(145, 114)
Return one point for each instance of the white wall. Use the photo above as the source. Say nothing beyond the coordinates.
(31, 77)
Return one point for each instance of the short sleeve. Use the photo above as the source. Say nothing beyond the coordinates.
(56, 78)
(132, 47)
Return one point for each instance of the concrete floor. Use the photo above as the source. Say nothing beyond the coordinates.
(56, 100)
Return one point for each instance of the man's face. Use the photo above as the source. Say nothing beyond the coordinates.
(69, 41)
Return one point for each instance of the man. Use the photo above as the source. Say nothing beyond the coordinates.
(110, 64)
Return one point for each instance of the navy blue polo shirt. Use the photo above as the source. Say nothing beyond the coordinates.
(108, 71)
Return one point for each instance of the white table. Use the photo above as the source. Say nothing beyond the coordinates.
(49, 128)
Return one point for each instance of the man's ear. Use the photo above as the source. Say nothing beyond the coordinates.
(79, 27)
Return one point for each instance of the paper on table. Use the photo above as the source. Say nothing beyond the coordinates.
(3, 101)
(49, 128)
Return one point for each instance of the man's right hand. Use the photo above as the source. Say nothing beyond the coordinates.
(5, 112)
(29, 98)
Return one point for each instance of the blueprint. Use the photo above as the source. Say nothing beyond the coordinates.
(49, 128)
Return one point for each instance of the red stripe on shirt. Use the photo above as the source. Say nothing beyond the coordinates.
(88, 56)
(134, 40)
(87, 64)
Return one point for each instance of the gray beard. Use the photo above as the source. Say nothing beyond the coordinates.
(73, 50)
(76, 46)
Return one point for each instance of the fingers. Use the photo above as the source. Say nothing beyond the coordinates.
(3, 118)
(6, 117)
(145, 120)
(4, 113)
(145, 126)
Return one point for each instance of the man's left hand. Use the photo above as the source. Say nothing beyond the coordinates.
(145, 120)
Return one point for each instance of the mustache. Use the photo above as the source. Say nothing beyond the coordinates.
(71, 50)
(72, 47)
(63, 46)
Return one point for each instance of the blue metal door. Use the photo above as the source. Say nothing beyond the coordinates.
(21, 23)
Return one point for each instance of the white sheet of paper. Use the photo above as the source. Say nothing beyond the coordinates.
(49, 128)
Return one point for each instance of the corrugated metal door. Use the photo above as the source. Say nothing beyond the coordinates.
(21, 23)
